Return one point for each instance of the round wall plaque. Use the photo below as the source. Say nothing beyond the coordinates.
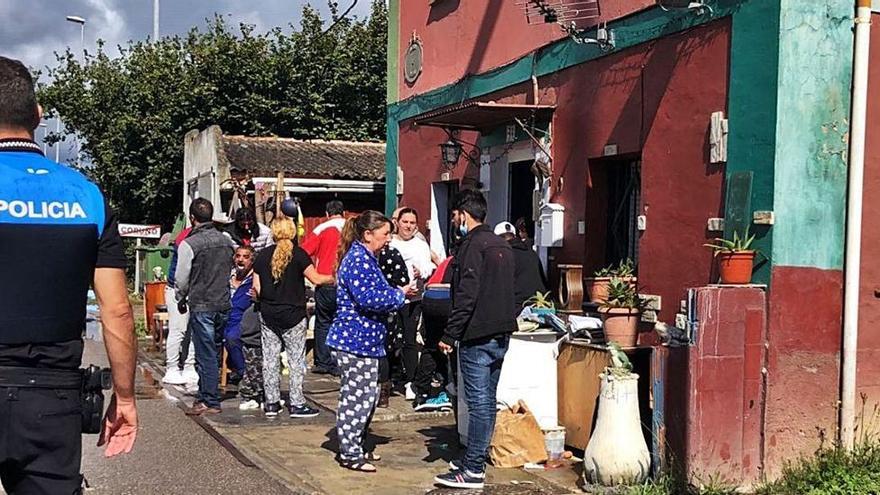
(412, 66)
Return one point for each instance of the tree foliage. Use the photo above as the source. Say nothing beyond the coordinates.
(132, 111)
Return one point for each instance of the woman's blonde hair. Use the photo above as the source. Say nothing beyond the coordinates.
(284, 234)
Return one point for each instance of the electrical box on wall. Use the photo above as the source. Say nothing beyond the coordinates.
(551, 224)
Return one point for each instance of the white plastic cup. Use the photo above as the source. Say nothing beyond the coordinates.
(554, 442)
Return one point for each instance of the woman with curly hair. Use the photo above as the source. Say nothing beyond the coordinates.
(357, 336)
(279, 281)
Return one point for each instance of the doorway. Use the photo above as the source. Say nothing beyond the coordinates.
(521, 193)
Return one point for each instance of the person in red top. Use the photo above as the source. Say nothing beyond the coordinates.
(322, 245)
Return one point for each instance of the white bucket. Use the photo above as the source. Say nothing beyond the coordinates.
(554, 442)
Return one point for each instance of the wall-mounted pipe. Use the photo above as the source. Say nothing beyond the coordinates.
(854, 224)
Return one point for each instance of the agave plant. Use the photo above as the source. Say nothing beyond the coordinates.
(624, 269)
(540, 300)
(735, 245)
(620, 363)
(621, 294)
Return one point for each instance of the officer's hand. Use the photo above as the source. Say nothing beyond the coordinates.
(181, 307)
(445, 348)
(120, 427)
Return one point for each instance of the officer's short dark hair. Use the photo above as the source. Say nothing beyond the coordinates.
(472, 202)
(18, 103)
(201, 210)
(334, 207)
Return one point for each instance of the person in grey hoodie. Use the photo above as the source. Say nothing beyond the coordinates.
(204, 261)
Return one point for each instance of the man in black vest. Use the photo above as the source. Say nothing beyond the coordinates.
(204, 261)
(57, 236)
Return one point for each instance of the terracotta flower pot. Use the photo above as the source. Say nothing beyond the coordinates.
(597, 287)
(736, 267)
(621, 325)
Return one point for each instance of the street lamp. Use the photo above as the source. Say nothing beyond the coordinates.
(82, 33)
(82, 44)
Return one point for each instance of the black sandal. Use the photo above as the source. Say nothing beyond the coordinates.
(360, 465)
(372, 457)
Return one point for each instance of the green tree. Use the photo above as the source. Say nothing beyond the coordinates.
(132, 111)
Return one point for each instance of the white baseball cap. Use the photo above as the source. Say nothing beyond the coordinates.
(505, 228)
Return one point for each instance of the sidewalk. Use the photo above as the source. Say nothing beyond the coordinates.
(414, 448)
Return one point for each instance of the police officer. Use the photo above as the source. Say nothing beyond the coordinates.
(57, 235)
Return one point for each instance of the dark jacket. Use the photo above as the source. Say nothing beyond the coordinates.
(204, 261)
(528, 277)
(482, 288)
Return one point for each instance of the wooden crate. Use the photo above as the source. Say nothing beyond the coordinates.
(578, 369)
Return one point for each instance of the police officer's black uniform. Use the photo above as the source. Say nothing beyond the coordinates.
(55, 229)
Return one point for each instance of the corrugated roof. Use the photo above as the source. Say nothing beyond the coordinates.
(266, 156)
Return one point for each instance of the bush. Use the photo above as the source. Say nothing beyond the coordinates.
(831, 472)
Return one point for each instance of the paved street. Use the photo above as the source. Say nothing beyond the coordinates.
(173, 453)
(299, 454)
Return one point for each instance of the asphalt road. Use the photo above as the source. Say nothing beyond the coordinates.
(173, 454)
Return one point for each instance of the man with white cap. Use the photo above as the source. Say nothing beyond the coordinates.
(528, 276)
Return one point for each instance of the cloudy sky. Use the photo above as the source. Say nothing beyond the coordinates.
(33, 29)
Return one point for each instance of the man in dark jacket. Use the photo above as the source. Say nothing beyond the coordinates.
(202, 280)
(482, 319)
(528, 277)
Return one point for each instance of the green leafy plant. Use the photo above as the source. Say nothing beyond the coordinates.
(626, 268)
(736, 245)
(622, 294)
(541, 300)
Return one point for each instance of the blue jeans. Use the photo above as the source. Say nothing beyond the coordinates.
(325, 310)
(480, 368)
(206, 328)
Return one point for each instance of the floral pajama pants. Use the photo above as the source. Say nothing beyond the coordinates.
(358, 394)
(251, 386)
(293, 340)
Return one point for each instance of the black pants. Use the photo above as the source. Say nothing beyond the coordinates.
(325, 310)
(40, 441)
(432, 361)
(409, 319)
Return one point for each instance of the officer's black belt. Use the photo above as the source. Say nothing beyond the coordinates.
(40, 378)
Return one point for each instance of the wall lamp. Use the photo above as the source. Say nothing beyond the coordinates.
(699, 6)
(451, 150)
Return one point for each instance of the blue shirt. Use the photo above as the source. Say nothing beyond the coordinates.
(363, 300)
(55, 229)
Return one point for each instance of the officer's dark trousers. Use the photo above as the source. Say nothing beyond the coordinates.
(40, 441)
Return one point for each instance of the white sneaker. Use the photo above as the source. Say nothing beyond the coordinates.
(249, 405)
(410, 393)
(190, 374)
(174, 377)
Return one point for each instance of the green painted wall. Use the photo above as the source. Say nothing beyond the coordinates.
(751, 144)
(393, 84)
(815, 77)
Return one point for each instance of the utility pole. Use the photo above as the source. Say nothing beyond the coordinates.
(155, 21)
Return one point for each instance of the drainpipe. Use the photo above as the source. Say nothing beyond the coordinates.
(854, 224)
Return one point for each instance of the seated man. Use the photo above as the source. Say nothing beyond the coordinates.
(240, 284)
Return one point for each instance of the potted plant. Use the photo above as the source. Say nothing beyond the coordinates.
(597, 285)
(541, 303)
(617, 453)
(735, 257)
(620, 313)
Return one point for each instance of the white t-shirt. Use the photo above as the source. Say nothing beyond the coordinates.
(417, 254)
